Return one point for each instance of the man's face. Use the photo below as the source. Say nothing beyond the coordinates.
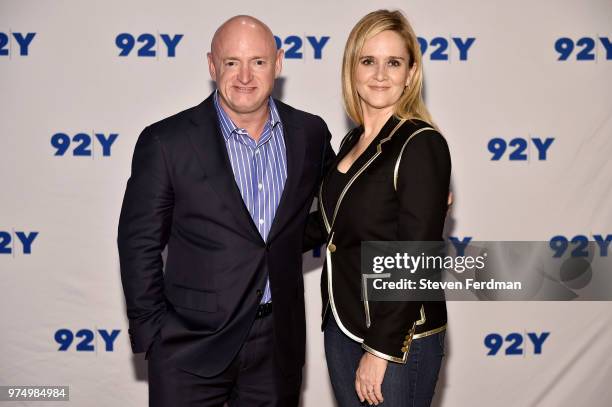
(244, 63)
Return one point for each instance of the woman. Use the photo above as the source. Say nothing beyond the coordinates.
(390, 181)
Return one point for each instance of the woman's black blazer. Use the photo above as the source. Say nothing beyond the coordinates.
(397, 191)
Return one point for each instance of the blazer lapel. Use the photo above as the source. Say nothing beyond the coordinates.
(295, 145)
(359, 166)
(351, 139)
(209, 146)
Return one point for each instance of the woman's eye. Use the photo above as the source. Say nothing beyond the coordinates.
(394, 62)
(367, 61)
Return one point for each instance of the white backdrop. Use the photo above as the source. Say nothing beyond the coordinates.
(510, 84)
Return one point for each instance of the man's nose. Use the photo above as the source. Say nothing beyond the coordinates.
(245, 74)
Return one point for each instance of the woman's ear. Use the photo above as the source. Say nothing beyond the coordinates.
(410, 74)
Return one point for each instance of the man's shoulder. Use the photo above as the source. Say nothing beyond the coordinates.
(174, 123)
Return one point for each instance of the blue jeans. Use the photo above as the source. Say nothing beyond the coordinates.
(412, 384)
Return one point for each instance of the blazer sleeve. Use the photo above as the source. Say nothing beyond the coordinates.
(315, 233)
(422, 185)
(144, 227)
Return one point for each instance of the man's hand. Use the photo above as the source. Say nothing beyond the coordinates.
(369, 378)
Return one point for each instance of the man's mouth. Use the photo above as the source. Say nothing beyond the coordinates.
(244, 89)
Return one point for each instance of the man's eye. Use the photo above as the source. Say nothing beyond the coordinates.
(260, 62)
(230, 63)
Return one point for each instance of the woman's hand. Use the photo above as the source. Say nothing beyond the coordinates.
(369, 378)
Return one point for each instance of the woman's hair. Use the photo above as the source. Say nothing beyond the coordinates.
(410, 104)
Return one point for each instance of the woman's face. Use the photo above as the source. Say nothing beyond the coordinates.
(382, 70)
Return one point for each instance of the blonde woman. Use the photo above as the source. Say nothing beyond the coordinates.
(390, 181)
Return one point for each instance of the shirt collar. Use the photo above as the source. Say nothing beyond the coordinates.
(228, 127)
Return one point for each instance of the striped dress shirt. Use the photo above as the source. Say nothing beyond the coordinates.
(260, 169)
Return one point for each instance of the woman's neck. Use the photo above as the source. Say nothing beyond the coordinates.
(374, 120)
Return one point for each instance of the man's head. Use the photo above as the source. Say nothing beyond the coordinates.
(244, 62)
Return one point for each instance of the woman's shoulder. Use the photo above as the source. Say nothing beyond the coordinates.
(418, 134)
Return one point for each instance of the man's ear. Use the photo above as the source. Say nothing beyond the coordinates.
(211, 66)
(278, 64)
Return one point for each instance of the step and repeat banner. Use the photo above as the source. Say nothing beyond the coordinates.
(521, 90)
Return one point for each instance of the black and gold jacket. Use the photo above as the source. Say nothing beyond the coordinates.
(397, 191)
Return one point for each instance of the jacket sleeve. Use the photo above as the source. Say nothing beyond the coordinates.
(315, 233)
(144, 227)
(422, 184)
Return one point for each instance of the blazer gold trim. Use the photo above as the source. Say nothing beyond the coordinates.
(331, 297)
(399, 158)
(430, 332)
(353, 178)
(390, 358)
(423, 318)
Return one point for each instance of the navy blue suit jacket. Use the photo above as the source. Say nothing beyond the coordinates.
(182, 194)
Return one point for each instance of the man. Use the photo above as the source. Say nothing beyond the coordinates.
(227, 186)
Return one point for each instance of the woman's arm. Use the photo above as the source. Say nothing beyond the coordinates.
(315, 234)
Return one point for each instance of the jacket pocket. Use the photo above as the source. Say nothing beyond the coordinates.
(190, 298)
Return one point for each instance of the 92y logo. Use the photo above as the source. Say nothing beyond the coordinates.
(82, 144)
(514, 341)
(578, 245)
(21, 242)
(12, 42)
(148, 45)
(584, 49)
(498, 146)
(294, 46)
(85, 339)
(440, 48)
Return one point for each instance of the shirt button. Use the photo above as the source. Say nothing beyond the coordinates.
(256, 152)
(261, 221)
(260, 186)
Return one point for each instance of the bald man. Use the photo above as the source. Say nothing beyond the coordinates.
(226, 186)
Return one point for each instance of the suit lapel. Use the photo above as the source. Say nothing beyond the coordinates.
(210, 148)
(295, 145)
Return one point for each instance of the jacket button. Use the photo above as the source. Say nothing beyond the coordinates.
(259, 293)
(404, 349)
(332, 247)
(408, 336)
(406, 343)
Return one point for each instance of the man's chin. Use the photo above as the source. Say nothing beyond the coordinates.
(243, 107)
